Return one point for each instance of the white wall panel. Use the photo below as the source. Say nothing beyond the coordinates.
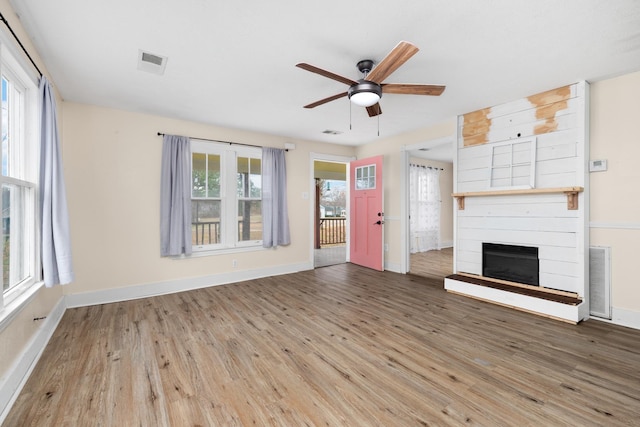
(539, 220)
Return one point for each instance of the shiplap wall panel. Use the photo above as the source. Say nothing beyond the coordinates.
(527, 210)
(560, 151)
(510, 122)
(562, 283)
(538, 114)
(557, 253)
(556, 118)
(500, 222)
(562, 122)
(561, 161)
(564, 268)
(521, 237)
(550, 180)
(474, 175)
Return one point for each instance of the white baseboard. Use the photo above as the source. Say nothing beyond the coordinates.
(162, 288)
(446, 244)
(11, 384)
(392, 266)
(624, 317)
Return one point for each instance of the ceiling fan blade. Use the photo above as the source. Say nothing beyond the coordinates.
(411, 89)
(374, 110)
(325, 100)
(398, 56)
(326, 73)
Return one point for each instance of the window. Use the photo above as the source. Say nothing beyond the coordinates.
(366, 177)
(226, 196)
(513, 164)
(20, 162)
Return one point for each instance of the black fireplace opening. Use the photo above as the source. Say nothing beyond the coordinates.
(518, 264)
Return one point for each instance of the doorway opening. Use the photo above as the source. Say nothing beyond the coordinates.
(330, 218)
(430, 209)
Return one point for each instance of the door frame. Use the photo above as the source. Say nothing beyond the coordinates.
(405, 154)
(311, 196)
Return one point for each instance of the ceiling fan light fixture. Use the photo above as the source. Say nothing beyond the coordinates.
(365, 93)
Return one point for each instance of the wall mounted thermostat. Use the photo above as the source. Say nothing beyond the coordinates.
(597, 165)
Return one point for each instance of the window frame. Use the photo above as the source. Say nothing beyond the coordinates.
(23, 172)
(529, 163)
(229, 198)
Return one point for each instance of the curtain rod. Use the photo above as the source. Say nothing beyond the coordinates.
(3, 19)
(423, 166)
(223, 142)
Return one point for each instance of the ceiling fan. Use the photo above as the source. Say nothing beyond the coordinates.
(367, 91)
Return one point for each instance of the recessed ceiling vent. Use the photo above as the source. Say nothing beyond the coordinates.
(151, 63)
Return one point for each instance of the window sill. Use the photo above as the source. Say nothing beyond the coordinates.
(13, 308)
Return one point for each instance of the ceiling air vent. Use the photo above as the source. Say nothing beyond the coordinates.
(151, 62)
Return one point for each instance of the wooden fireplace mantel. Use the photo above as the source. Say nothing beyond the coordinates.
(571, 192)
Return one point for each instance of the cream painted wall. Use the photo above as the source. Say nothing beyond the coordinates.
(17, 334)
(392, 169)
(446, 189)
(112, 160)
(615, 197)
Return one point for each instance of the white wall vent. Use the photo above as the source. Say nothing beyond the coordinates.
(600, 282)
(151, 62)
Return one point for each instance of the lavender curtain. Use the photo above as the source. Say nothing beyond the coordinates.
(275, 216)
(57, 267)
(175, 196)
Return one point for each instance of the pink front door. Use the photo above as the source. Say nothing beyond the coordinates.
(366, 216)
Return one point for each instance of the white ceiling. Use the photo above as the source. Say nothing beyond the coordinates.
(232, 63)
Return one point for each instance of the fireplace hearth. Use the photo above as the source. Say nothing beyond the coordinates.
(514, 263)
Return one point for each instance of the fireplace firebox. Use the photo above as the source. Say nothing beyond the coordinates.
(518, 264)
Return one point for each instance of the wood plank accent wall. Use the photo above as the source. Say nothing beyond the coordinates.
(514, 120)
(558, 120)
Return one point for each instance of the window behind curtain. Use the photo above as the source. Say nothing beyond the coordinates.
(249, 192)
(19, 166)
(226, 196)
(424, 222)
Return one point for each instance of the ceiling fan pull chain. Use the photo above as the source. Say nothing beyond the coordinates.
(349, 116)
(378, 124)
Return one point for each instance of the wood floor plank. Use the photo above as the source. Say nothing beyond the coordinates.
(335, 346)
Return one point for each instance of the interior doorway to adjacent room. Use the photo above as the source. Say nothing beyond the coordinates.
(331, 195)
(430, 209)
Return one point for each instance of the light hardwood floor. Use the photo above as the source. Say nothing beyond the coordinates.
(436, 263)
(337, 346)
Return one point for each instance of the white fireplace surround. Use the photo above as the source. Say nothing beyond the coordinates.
(556, 121)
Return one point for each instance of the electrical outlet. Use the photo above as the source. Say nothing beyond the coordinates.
(234, 263)
(386, 247)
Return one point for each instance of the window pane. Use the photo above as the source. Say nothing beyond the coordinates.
(249, 220)
(249, 177)
(213, 175)
(198, 175)
(14, 264)
(5, 128)
(366, 177)
(255, 185)
(242, 170)
(205, 223)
